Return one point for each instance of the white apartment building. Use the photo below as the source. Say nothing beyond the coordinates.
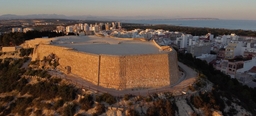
(86, 27)
(199, 48)
(70, 29)
(247, 65)
(17, 29)
(60, 29)
(233, 49)
(25, 30)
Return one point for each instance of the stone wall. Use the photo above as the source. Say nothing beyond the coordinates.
(9, 49)
(110, 72)
(82, 64)
(146, 71)
(119, 72)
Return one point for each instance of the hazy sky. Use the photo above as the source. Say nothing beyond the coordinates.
(223, 9)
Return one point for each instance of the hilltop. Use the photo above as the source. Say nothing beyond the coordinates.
(31, 91)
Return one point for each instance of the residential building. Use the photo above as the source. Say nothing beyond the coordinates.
(107, 27)
(60, 29)
(69, 29)
(17, 29)
(25, 30)
(233, 49)
(221, 53)
(199, 49)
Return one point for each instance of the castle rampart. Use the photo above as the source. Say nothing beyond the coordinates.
(116, 71)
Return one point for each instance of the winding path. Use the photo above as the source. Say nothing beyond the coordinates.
(186, 80)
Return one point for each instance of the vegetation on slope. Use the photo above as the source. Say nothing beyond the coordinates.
(31, 91)
(223, 84)
(17, 38)
(20, 95)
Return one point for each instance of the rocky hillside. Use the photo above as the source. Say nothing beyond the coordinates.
(31, 92)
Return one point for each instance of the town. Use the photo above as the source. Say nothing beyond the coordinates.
(104, 68)
(232, 54)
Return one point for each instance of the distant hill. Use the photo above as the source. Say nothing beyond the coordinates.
(47, 16)
(91, 17)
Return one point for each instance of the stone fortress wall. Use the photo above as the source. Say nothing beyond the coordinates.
(116, 71)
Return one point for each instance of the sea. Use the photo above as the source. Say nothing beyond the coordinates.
(216, 23)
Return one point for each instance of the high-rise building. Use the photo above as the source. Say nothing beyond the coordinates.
(86, 27)
(113, 25)
(81, 26)
(107, 27)
(100, 26)
(96, 28)
(119, 25)
(69, 29)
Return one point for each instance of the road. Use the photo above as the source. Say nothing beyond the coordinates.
(186, 80)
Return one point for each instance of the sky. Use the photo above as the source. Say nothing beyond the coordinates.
(156, 9)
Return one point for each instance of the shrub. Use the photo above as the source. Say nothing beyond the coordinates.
(7, 98)
(2, 108)
(130, 103)
(106, 98)
(47, 105)
(21, 104)
(132, 112)
(148, 99)
(100, 108)
(55, 80)
(86, 102)
(25, 52)
(191, 88)
(67, 92)
(197, 101)
(38, 112)
(58, 104)
(69, 110)
(151, 111)
(21, 83)
(127, 97)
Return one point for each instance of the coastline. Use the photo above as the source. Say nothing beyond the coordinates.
(202, 23)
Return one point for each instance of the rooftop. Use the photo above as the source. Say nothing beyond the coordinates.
(107, 45)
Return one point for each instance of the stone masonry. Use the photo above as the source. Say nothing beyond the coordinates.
(116, 71)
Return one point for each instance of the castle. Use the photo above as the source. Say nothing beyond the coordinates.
(111, 62)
